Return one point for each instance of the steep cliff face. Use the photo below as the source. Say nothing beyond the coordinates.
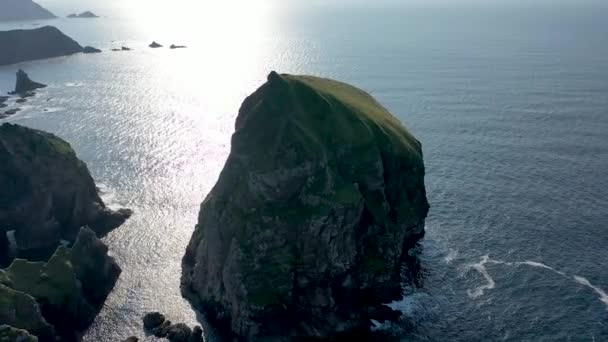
(22, 10)
(303, 234)
(46, 192)
(40, 43)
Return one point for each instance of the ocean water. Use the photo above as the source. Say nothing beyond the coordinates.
(510, 103)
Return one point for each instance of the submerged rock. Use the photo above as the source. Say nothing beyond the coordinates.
(66, 290)
(39, 43)
(155, 45)
(305, 232)
(173, 46)
(90, 49)
(47, 193)
(24, 84)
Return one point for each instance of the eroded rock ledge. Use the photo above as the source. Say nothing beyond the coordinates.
(320, 199)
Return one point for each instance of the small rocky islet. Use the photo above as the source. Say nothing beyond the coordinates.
(303, 236)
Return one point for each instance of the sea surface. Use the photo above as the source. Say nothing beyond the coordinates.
(509, 102)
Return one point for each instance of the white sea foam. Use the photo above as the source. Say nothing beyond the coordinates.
(600, 292)
(451, 256)
(491, 284)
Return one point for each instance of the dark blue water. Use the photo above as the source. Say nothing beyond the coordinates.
(510, 103)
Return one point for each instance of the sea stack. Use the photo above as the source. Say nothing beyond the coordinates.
(24, 84)
(320, 200)
(47, 193)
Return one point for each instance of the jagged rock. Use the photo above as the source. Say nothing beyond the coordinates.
(23, 10)
(21, 311)
(179, 333)
(153, 320)
(39, 43)
(24, 84)
(90, 49)
(85, 15)
(163, 329)
(10, 334)
(305, 232)
(47, 193)
(177, 46)
(155, 45)
(66, 289)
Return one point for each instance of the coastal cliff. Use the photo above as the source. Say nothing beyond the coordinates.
(305, 231)
(46, 192)
(23, 10)
(40, 43)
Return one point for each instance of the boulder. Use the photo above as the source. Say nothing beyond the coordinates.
(10, 334)
(153, 320)
(24, 84)
(319, 202)
(33, 44)
(47, 193)
(90, 49)
(163, 329)
(11, 10)
(155, 45)
(179, 333)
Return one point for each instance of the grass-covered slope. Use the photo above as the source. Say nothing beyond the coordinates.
(321, 196)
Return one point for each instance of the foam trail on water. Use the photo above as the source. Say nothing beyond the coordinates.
(451, 256)
(491, 284)
(481, 268)
(600, 292)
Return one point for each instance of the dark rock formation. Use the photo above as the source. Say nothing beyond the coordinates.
(67, 292)
(90, 49)
(153, 320)
(10, 334)
(22, 10)
(173, 46)
(21, 101)
(305, 232)
(131, 339)
(12, 111)
(155, 45)
(124, 48)
(46, 192)
(27, 45)
(24, 84)
(156, 323)
(83, 15)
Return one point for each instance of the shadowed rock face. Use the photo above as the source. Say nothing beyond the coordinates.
(22, 10)
(27, 45)
(305, 231)
(67, 291)
(46, 192)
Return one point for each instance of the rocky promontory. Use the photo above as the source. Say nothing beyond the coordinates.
(320, 200)
(58, 299)
(47, 193)
(22, 10)
(39, 43)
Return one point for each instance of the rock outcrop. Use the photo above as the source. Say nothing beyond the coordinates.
(90, 49)
(22, 10)
(24, 84)
(155, 45)
(155, 323)
(67, 291)
(27, 45)
(83, 15)
(47, 193)
(173, 46)
(305, 232)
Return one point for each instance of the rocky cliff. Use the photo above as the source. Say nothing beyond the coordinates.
(58, 298)
(22, 10)
(27, 45)
(46, 192)
(304, 233)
